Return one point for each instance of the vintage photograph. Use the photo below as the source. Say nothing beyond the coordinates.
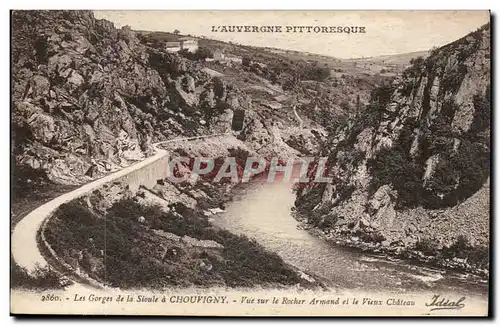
(250, 163)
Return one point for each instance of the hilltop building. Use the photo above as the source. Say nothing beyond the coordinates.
(187, 43)
(219, 55)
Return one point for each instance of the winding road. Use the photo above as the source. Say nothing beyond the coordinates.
(24, 242)
(262, 211)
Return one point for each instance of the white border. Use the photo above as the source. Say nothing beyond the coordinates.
(190, 4)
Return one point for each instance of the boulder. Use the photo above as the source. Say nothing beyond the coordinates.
(39, 86)
(189, 84)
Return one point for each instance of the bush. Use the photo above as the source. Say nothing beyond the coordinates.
(218, 87)
(315, 73)
(477, 256)
(395, 166)
(346, 106)
(202, 53)
(187, 54)
(245, 61)
(247, 263)
(427, 246)
(453, 78)
(415, 68)
(273, 77)
(307, 200)
(241, 155)
(482, 112)
(26, 181)
(41, 279)
(456, 177)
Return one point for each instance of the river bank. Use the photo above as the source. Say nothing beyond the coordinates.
(415, 255)
(191, 214)
(115, 234)
(263, 211)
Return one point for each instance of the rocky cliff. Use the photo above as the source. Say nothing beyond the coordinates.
(88, 98)
(413, 169)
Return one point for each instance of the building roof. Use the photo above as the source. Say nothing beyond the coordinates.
(185, 38)
(172, 44)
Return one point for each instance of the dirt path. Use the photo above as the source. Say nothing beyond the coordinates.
(301, 122)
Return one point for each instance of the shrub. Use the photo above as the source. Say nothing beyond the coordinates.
(202, 53)
(247, 263)
(315, 73)
(373, 237)
(427, 246)
(395, 166)
(218, 87)
(40, 279)
(477, 256)
(345, 105)
(482, 112)
(345, 192)
(452, 79)
(245, 60)
(416, 67)
(26, 181)
(187, 54)
(456, 177)
(273, 77)
(305, 202)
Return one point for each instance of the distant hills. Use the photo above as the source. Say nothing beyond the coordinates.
(386, 64)
(402, 59)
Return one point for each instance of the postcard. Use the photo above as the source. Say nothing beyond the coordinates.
(250, 163)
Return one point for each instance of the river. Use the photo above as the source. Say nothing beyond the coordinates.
(262, 211)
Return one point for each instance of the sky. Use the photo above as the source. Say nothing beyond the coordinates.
(387, 32)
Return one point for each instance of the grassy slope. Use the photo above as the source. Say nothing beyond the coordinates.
(122, 252)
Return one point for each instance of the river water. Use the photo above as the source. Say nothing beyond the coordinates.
(262, 211)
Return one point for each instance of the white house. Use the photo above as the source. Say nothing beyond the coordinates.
(183, 43)
(189, 44)
(219, 55)
(173, 46)
(234, 59)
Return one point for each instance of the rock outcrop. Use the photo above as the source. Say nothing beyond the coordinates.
(418, 155)
(89, 98)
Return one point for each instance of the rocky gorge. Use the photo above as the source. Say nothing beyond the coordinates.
(90, 99)
(411, 173)
(409, 156)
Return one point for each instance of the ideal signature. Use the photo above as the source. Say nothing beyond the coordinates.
(442, 303)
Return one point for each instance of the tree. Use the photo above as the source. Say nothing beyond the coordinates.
(187, 54)
(246, 61)
(202, 53)
(176, 32)
(358, 105)
(434, 50)
(315, 73)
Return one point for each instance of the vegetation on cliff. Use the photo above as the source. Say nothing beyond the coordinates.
(413, 168)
